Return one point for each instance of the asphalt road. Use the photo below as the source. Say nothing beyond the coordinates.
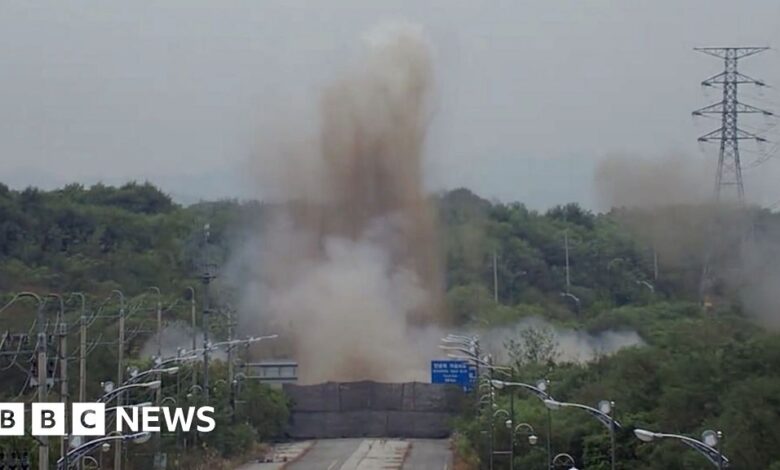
(360, 454)
(429, 454)
(327, 454)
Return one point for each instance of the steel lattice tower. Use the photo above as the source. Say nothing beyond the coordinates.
(729, 174)
(729, 134)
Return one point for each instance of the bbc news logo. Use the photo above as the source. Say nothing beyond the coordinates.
(89, 419)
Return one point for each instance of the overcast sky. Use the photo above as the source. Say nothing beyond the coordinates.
(531, 94)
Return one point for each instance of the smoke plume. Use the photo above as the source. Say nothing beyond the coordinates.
(568, 345)
(668, 204)
(624, 181)
(346, 267)
(176, 338)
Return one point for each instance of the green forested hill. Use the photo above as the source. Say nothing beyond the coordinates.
(629, 270)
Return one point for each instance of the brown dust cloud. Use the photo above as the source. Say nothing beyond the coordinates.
(345, 267)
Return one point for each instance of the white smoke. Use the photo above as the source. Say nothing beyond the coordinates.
(571, 345)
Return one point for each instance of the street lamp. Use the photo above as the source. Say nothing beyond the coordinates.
(603, 413)
(709, 446)
(564, 459)
(480, 362)
(577, 302)
(648, 285)
(241, 342)
(103, 442)
(539, 391)
(92, 461)
(508, 423)
(135, 375)
(532, 439)
(180, 357)
(500, 412)
(195, 389)
(453, 338)
(111, 392)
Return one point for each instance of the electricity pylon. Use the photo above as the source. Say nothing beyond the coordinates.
(729, 173)
(729, 134)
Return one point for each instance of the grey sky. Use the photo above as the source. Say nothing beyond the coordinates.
(531, 94)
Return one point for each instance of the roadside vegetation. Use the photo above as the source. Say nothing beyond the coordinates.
(715, 366)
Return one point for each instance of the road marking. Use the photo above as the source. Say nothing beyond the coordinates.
(333, 464)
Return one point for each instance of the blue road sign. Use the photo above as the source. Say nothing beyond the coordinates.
(453, 372)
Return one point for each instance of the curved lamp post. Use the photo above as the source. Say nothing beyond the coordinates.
(112, 392)
(468, 345)
(709, 446)
(240, 342)
(195, 389)
(135, 375)
(539, 391)
(182, 356)
(577, 301)
(92, 461)
(168, 399)
(564, 459)
(82, 450)
(532, 439)
(603, 413)
(527, 429)
(497, 414)
(649, 286)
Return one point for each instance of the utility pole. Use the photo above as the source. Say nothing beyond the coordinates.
(495, 277)
(194, 324)
(206, 277)
(612, 433)
(490, 412)
(655, 264)
(549, 427)
(82, 358)
(158, 460)
(511, 427)
(40, 350)
(728, 135)
(120, 373)
(566, 254)
(59, 330)
(82, 348)
(231, 371)
(62, 346)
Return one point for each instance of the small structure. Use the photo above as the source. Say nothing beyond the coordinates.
(279, 371)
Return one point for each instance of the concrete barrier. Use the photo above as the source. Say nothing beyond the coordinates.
(372, 409)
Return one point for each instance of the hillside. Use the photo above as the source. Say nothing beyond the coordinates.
(696, 368)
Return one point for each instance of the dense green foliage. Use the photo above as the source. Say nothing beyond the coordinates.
(699, 368)
(99, 239)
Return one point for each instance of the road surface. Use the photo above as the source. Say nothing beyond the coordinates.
(371, 454)
(429, 454)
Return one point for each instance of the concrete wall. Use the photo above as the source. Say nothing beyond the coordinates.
(372, 409)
